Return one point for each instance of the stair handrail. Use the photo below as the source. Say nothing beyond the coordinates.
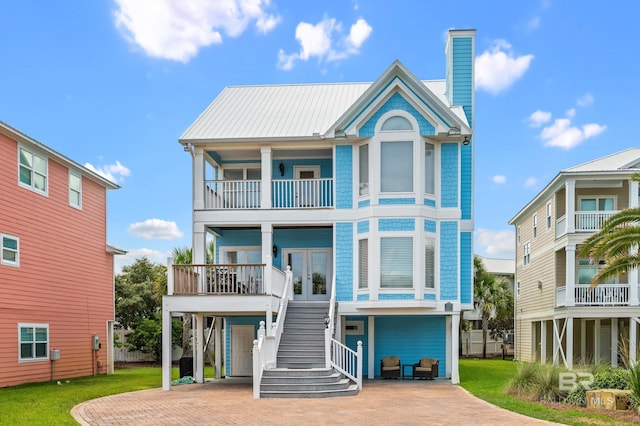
(347, 361)
(330, 324)
(259, 360)
(278, 326)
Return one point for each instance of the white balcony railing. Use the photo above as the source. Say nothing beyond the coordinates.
(592, 221)
(561, 296)
(302, 193)
(601, 295)
(232, 194)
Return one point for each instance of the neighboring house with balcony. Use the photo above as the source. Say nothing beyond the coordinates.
(56, 268)
(557, 316)
(364, 190)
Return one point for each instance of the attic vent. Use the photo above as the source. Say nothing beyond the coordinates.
(396, 123)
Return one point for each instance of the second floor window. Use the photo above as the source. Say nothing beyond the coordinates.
(549, 216)
(429, 169)
(526, 254)
(364, 169)
(10, 250)
(75, 190)
(33, 171)
(535, 225)
(396, 166)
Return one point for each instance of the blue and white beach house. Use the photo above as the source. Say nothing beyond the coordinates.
(339, 213)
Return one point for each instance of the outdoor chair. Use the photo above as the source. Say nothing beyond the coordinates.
(427, 368)
(390, 367)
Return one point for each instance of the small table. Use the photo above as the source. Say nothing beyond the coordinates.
(403, 369)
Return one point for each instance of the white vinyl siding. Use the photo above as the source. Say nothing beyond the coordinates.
(396, 262)
(10, 250)
(363, 263)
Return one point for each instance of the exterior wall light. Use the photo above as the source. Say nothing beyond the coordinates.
(281, 167)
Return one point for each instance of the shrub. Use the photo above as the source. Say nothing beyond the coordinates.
(634, 382)
(577, 396)
(524, 381)
(611, 378)
(547, 387)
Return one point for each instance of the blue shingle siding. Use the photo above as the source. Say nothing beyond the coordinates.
(402, 296)
(344, 261)
(363, 297)
(363, 226)
(463, 74)
(344, 177)
(449, 166)
(396, 225)
(448, 260)
(466, 190)
(231, 321)
(430, 203)
(396, 201)
(410, 338)
(429, 296)
(364, 203)
(429, 226)
(396, 102)
(466, 260)
(298, 238)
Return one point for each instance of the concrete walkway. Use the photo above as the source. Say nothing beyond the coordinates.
(389, 402)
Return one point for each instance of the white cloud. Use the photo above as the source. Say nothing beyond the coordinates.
(571, 112)
(177, 29)
(499, 179)
(113, 172)
(325, 41)
(496, 243)
(562, 134)
(498, 68)
(530, 182)
(154, 256)
(155, 229)
(534, 23)
(538, 118)
(585, 100)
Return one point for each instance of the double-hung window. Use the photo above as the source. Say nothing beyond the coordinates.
(363, 263)
(535, 226)
(396, 166)
(32, 171)
(396, 262)
(548, 216)
(526, 254)
(75, 190)
(364, 169)
(429, 168)
(10, 250)
(34, 342)
(430, 263)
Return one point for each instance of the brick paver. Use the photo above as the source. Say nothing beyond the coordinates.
(391, 402)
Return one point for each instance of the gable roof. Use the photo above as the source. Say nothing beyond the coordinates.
(306, 110)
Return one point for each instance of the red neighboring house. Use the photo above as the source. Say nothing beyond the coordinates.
(56, 268)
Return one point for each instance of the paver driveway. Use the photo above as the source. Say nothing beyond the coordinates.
(379, 403)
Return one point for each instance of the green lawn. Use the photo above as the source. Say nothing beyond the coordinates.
(487, 379)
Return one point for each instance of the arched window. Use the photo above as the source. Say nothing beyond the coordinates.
(396, 123)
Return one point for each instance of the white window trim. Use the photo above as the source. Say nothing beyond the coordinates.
(223, 251)
(534, 226)
(416, 251)
(363, 289)
(32, 186)
(8, 262)
(598, 197)
(79, 176)
(357, 163)
(549, 216)
(526, 254)
(33, 325)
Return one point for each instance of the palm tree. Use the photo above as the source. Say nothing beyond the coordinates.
(616, 243)
(491, 296)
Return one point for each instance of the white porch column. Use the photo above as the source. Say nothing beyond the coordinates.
(570, 202)
(569, 340)
(198, 352)
(267, 259)
(455, 325)
(266, 173)
(557, 343)
(634, 200)
(166, 347)
(570, 276)
(371, 365)
(217, 339)
(543, 342)
(614, 342)
(633, 336)
(596, 341)
(448, 344)
(583, 341)
(198, 178)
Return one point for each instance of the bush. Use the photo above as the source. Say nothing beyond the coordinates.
(547, 387)
(577, 396)
(611, 378)
(634, 382)
(524, 381)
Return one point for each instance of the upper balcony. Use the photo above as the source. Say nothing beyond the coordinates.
(589, 221)
(601, 295)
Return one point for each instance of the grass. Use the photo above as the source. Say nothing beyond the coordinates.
(488, 379)
(48, 403)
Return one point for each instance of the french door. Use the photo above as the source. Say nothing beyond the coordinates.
(312, 273)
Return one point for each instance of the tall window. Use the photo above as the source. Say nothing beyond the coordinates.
(430, 264)
(396, 166)
(33, 171)
(396, 262)
(75, 190)
(587, 270)
(10, 250)
(526, 254)
(518, 233)
(429, 169)
(364, 169)
(518, 289)
(548, 216)
(535, 225)
(34, 341)
(363, 263)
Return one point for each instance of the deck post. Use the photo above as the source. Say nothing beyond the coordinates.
(166, 347)
(217, 323)
(633, 338)
(455, 325)
(614, 342)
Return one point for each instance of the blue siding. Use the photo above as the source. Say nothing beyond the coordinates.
(351, 341)
(429, 225)
(230, 321)
(449, 180)
(466, 190)
(326, 167)
(410, 338)
(363, 297)
(363, 227)
(364, 203)
(448, 261)
(396, 225)
(401, 296)
(430, 203)
(344, 177)
(344, 261)
(396, 102)
(466, 262)
(396, 201)
(300, 238)
(462, 51)
(429, 296)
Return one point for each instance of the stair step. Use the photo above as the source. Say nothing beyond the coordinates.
(288, 378)
(308, 386)
(351, 390)
(309, 372)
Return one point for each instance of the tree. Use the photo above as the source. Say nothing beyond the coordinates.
(617, 243)
(492, 297)
(138, 297)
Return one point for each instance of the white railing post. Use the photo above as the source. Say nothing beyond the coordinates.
(170, 276)
(257, 377)
(360, 361)
(570, 274)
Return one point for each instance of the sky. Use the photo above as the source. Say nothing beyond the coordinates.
(112, 84)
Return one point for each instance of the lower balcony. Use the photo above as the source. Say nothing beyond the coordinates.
(601, 295)
(218, 280)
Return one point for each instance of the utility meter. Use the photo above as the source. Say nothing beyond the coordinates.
(55, 354)
(95, 341)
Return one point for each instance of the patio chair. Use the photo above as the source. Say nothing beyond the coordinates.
(427, 368)
(390, 367)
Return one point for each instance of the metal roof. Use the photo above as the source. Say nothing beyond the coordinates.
(627, 159)
(281, 111)
(499, 266)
